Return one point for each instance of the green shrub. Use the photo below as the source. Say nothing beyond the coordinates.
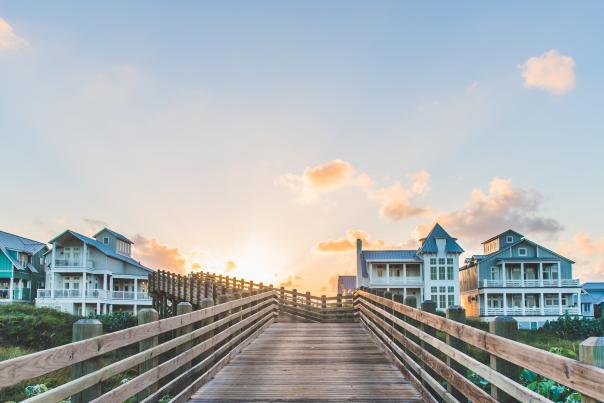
(26, 326)
(574, 327)
(112, 322)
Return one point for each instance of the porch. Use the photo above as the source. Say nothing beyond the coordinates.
(527, 274)
(528, 304)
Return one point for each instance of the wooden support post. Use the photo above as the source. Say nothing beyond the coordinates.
(86, 329)
(235, 296)
(228, 281)
(430, 307)
(251, 285)
(388, 295)
(181, 309)
(207, 303)
(147, 315)
(308, 300)
(505, 326)
(245, 294)
(221, 300)
(295, 297)
(198, 284)
(191, 295)
(282, 295)
(400, 299)
(458, 314)
(591, 351)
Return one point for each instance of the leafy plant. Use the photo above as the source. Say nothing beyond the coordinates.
(112, 322)
(574, 327)
(548, 388)
(165, 399)
(33, 390)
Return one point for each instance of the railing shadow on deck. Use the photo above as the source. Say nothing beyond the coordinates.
(438, 368)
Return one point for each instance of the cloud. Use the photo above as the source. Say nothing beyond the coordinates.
(159, 256)
(328, 176)
(396, 202)
(348, 243)
(292, 281)
(9, 40)
(588, 254)
(503, 206)
(229, 266)
(550, 71)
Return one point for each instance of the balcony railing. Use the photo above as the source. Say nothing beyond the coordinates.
(532, 311)
(19, 294)
(95, 294)
(398, 281)
(531, 283)
(72, 263)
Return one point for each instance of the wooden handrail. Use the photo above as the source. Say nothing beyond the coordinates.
(583, 378)
(40, 363)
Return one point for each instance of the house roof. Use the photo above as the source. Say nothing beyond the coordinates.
(102, 248)
(438, 232)
(347, 282)
(390, 255)
(593, 285)
(115, 234)
(500, 234)
(19, 243)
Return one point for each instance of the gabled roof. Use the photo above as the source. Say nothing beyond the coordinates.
(390, 255)
(508, 247)
(438, 232)
(19, 243)
(102, 248)
(593, 285)
(115, 234)
(504, 232)
(14, 261)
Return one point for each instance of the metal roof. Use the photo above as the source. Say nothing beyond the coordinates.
(390, 255)
(593, 285)
(438, 232)
(115, 234)
(500, 234)
(20, 244)
(347, 282)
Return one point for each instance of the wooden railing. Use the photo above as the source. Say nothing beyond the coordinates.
(172, 356)
(439, 368)
(167, 289)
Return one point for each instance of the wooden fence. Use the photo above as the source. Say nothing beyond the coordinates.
(176, 355)
(167, 289)
(438, 368)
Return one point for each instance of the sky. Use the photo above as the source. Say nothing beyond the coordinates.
(260, 138)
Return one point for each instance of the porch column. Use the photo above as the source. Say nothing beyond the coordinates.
(486, 304)
(505, 304)
(111, 288)
(84, 252)
(135, 292)
(10, 287)
(503, 274)
(522, 274)
(560, 299)
(579, 303)
(105, 289)
(404, 274)
(542, 303)
(540, 274)
(523, 304)
(84, 293)
(388, 272)
(52, 270)
(98, 308)
(559, 275)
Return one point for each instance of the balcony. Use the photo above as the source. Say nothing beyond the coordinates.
(532, 311)
(95, 294)
(71, 263)
(398, 281)
(19, 294)
(530, 283)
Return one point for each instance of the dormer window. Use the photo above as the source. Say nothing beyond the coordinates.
(106, 240)
(509, 239)
(123, 248)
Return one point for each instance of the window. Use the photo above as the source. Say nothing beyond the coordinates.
(509, 239)
(533, 325)
(450, 289)
(449, 272)
(522, 252)
(433, 273)
(441, 289)
(551, 299)
(442, 296)
(494, 273)
(450, 299)
(449, 260)
(106, 240)
(396, 270)
(441, 260)
(433, 260)
(441, 273)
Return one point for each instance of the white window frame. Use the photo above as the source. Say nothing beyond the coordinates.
(522, 254)
(509, 239)
(105, 240)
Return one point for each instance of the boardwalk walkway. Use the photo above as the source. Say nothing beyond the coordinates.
(310, 362)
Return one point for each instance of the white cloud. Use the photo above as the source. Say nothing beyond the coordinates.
(9, 40)
(550, 71)
(397, 202)
(488, 213)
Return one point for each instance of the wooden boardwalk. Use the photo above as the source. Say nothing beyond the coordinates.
(306, 362)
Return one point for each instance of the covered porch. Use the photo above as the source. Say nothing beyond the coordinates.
(529, 304)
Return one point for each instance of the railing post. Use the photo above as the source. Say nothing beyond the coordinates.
(457, 314)
(147, 315)
(236, 295)
(504, 326)
(86, 329)
(282, 295)
(400, 299)
(181, 309)
(430, 307)
(591, 351)
(207, 303)
(387, 295)
(295, 298)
